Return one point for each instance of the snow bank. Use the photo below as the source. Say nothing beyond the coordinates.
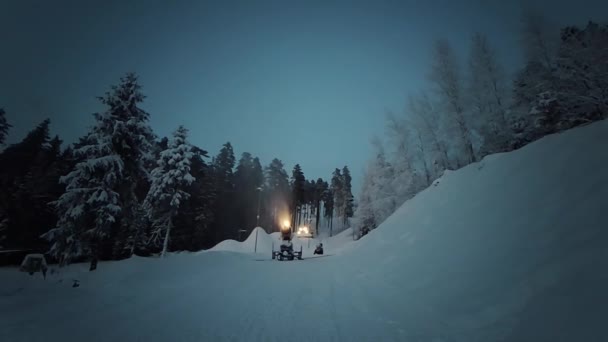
(266, 241)
(512, 248)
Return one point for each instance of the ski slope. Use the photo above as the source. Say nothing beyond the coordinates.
(513, 248)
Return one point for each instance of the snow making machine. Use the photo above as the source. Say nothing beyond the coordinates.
(286, 251)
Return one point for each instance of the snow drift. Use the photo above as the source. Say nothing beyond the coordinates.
(513, 248)
(265, 243)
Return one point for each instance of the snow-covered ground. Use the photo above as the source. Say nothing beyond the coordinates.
(514, 248)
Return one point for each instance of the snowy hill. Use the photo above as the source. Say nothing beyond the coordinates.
(514, 248)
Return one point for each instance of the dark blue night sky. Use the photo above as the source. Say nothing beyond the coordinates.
(304, 81)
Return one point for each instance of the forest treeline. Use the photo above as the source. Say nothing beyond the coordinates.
(472, 108)
(120, 190)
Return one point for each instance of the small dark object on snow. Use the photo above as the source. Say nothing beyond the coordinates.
(76, 283)
(93, 265)
(319, 249)
(34, 263)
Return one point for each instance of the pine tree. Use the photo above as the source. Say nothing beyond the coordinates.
(582, 75)
(97, 212)
(132, 140)
(257, 177)
(298, 186)
(319, 196)
(248, 178)
(245, 194)
(170, 182)
(4, 126)
(223, 173)
(278, 191)
(328, 206)
(337, 187)
(203, 197)
(29, 179)
(90, 205)
(347, 194)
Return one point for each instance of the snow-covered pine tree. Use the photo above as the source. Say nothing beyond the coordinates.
(100, 191)
(582, 73)
(133, 140)
(90, 205)
(170, 180)
(337, 185)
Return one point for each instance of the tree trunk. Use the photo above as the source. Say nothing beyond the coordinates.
(166, 242)
(318, 218)
(94, 255)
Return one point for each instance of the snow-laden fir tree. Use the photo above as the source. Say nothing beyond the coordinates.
(90, 205)
(100, 203)
(170, 181)
(132, 140)
(582, 73)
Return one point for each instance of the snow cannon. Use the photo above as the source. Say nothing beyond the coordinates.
(286, 251)
(286, 231)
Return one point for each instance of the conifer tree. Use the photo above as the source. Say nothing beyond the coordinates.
(4, 126)
(170, 182)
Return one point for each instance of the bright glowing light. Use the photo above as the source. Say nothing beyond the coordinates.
(286, 224)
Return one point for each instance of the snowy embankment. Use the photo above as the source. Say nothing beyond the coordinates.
(513, 248)
(266, 242)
